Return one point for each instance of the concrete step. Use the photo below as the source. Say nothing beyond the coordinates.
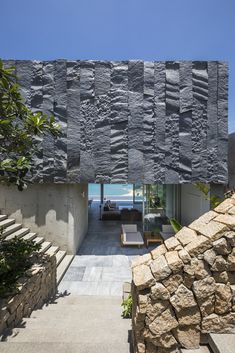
(38, 240)
(18, 234)
(50, 347)
(30, 236)
(11, 229)
(59, 256)
(45, 245)
(2, 217)
(63, 266)
(52, 250)
(222, 343)
(6, 223)
(76, 331)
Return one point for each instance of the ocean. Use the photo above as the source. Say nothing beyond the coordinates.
(113, 192)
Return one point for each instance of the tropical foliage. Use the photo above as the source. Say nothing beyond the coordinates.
(18, 128)
(15, 259)
(205, 189)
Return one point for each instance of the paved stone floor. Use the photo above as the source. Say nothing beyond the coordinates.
(101, 265)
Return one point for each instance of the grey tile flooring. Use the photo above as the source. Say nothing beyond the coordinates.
(93, 274)
(101, 265)
(74, 273)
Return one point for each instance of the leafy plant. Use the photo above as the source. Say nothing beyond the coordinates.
(215, 200)
(127, 307)
(175, 225)
(15, 259)
(18, 128)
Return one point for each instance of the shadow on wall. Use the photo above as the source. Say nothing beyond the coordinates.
(231, 160)
(58, 212)
(38, 203)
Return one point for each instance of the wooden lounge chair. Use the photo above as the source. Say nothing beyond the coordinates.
(130, 235)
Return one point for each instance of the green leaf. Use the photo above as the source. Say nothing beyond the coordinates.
(175, 225)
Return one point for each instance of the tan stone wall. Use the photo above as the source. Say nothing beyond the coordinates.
(38, 286)
(185, 287)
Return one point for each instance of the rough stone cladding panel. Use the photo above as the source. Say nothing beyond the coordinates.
(130, 121)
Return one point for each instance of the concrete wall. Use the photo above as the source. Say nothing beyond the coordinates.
(57, 212)
(193, 203)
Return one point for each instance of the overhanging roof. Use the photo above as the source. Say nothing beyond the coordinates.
(130, 121)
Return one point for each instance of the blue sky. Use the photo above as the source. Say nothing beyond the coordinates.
(121, 29)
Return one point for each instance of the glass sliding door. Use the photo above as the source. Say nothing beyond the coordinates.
(137, 193)
(160, 204)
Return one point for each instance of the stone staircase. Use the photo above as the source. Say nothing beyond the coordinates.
(10, 229)
(82, 324)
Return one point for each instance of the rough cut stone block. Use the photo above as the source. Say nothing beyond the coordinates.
(188, 280)
(160, 250)
(173, 282)
(220, 264)
(232, 210)
(160, 268)
(171, 243)
(142, 303)
(230, 236)
(231, 277)
(142, 277)
(186, 235)
(221, 277)
(231, 261)
(225, 206)
(156, 308)
(141, 260)
(183, 298)
(218, 323)
(223, 298)
(173, 260)
(226, 219)
(204, 287)
(198, 246)
(210, 256)
(158, 291)
(213, 230)
(201, 269)
(188, 337)
(189, 316)
(167, 341)
(207, 305)
(204, 219)
(184, 255)
(164, 323)
(222, 247)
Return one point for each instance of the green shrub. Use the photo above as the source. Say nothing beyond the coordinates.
(15, 259)
(127, 307)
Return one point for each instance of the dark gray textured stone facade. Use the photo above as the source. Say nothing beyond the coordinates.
(130, 121)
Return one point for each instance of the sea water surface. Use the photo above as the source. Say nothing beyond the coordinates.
(113, 192)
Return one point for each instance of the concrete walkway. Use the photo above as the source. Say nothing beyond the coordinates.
(102, 265)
